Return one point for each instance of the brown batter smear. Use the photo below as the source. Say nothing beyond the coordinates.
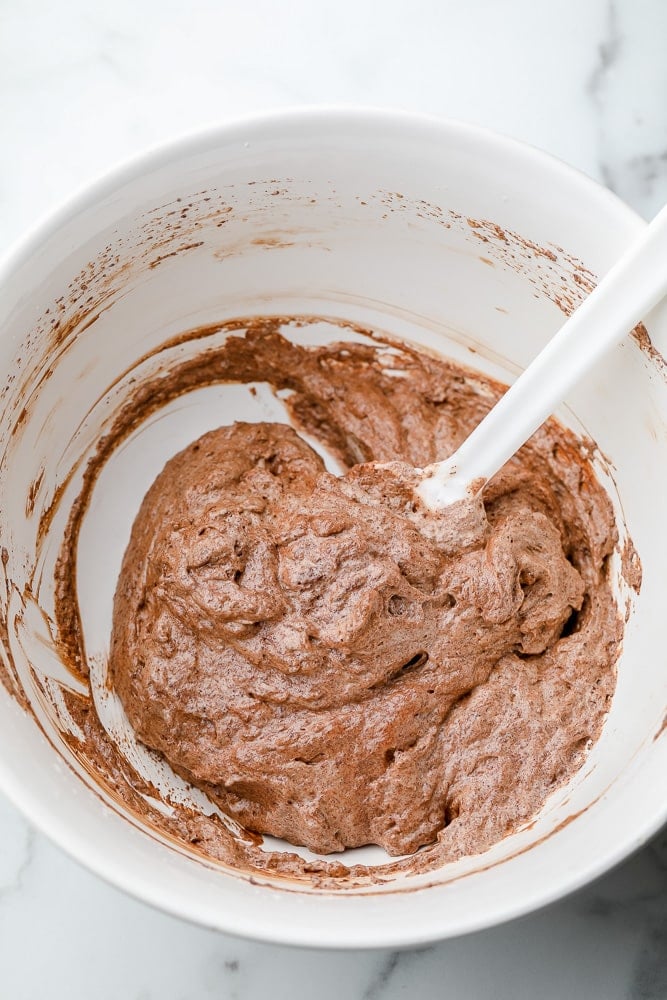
(329, 665)
(631, 566)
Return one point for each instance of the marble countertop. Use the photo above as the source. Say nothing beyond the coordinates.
(84, 85)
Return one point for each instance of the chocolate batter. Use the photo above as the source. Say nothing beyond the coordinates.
(337, 668)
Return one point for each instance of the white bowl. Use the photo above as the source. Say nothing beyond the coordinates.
(377, 218)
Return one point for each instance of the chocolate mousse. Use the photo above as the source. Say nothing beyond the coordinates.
(333, 665)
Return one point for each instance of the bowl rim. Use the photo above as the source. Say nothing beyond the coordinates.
(364, 117)
(307, 933)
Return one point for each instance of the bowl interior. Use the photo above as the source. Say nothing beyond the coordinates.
(436, 234)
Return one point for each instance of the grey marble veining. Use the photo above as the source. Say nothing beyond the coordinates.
(85, 85)
(628, 87)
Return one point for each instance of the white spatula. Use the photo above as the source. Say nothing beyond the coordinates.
(623, 297)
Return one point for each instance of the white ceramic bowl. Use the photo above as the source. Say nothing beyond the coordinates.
(381, 219)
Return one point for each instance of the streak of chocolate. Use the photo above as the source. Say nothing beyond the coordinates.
(631, 567)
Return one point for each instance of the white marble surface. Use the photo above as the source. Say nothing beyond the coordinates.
(85, 84)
